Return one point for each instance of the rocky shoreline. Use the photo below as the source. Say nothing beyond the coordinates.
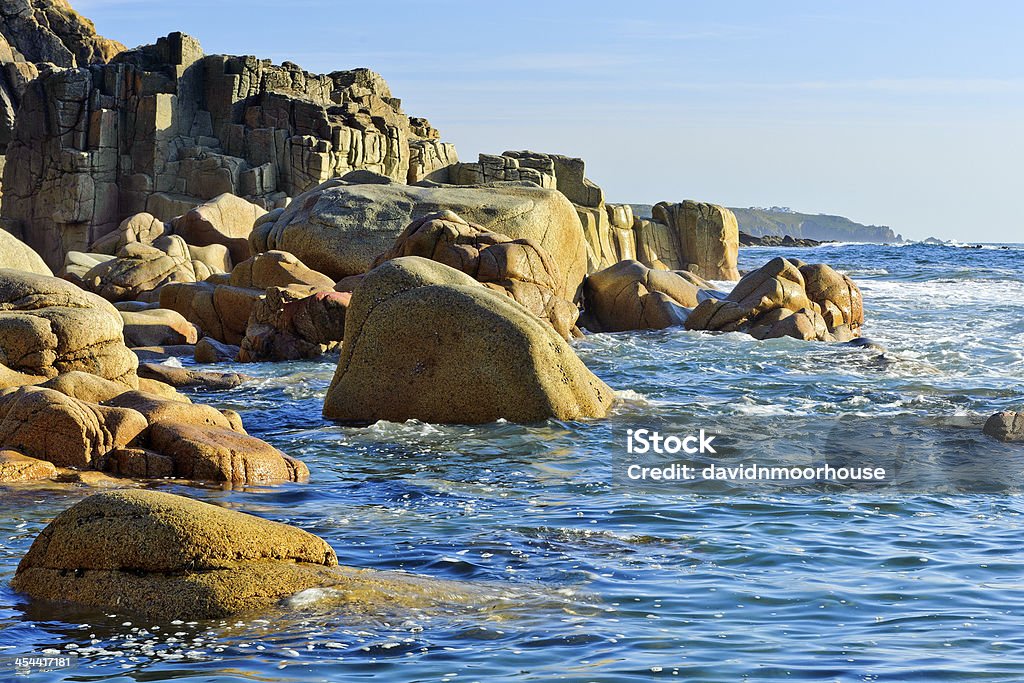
(161, 202)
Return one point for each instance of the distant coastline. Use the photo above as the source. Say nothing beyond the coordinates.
(781, 222)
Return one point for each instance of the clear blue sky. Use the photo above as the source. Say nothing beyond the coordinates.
(909, 114)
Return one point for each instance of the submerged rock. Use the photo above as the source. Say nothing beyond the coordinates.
(185, 377)
(1006, 426)
(425, 341)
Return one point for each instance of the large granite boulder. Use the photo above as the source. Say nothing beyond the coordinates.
(708, 237)
(139, 268)
(425, 341)
(631, 296)
(220, 311)
(49, 326)
(17, 468)
(17, 255)
(289, 323)
(1006, 426)
(143, 227)
(48, 425)
(775, 301)
(225, 220)
(169, 557)
(341, 226)
(520, 268)
(157, 327)
(277, 269)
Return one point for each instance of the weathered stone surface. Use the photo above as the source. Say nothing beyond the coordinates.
(143, 227)
(50, 31)
(49, 326)
(11, 378)
(1006, 426)
(225, 220)
(290, 323)
(78, 263)
(341, 226)
(85, 387)
(277, 269)
(156, 553)
(184, 377)
(17, 255)
(15, 467)
(157, 327)
(156, 408)
(708, 237)
(220, 311)
(425, 341)
(46, 424)
(209, 350)
(556, 171)
(773, 301)
(631, 296)
(222, 454)
(163, 128)
(140, 268)
(520, 268)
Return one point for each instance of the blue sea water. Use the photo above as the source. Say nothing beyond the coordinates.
(610, 579)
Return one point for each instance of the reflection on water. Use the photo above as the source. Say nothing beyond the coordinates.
(612, 580)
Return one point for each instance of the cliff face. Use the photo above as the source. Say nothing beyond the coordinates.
(41, 32)
(164, 127)
(766, 222)
(50, 31)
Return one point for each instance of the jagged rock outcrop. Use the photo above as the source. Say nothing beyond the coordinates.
(163, 128)
(631, 296)
(707, 235)
(49, 326)
(520, 268)
(786, 298)
(38, 32)
(427, 342)
(51, 31)
(288, 323)
(340, 227)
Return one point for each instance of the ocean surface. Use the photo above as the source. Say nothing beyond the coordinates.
(606, 578)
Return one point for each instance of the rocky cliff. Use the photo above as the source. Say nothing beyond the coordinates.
(38, 32)
(164, 127)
